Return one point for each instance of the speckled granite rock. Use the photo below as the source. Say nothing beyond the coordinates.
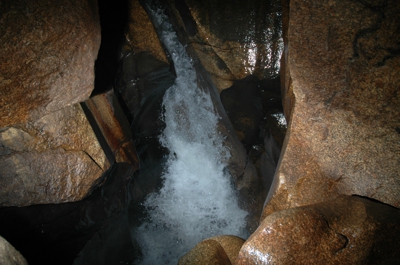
(216, 250)
(348, 230)
(47, 56)
(49, 153)
(206, 252)
(52, 160)
(343, 137)
(9, 255)
(230, 244)
(141, 36)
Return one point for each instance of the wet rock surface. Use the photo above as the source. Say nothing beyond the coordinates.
(216, 250)
(347, 230)
(55, 159)
(342, 62)
(206, 252)
(47, 57)
(49, 153)
(234, 39)
(140, 35)
(230, 244)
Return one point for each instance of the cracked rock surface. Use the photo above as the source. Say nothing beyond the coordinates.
(48, 151)
(52, 160)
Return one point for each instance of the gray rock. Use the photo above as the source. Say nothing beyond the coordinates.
(9, 255)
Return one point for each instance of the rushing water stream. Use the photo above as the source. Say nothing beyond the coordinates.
(197, 199)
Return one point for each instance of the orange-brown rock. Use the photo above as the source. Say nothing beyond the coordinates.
(114, 127)
(140, 35)
(219, 250)
(343, 136)
(47, 56)
(55, 159)
(48, 150)
(230, 244)
(348, 230)
(286, 88)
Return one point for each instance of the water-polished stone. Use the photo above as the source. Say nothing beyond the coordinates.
(215, 250)
(140, 35)
(342, 65)
(348, 230)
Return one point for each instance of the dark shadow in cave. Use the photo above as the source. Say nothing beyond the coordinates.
(55, 233)
(114, 18)
(254, 107)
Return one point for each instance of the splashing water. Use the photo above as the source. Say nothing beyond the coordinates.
(197, 200)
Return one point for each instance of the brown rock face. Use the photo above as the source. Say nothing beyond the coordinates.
(48, 151)
(140, 35)
(219, 250)
(206, 252)
(52, 160)
(343, 138)
(47, 56)
(348, 230)
(114, 127)
(230, 244)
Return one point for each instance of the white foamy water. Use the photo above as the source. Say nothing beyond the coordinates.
(197, 199)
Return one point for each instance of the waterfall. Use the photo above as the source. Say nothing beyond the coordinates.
(197, 199)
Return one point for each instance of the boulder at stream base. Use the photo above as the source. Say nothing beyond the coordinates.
(342, 64)
(348, 230)
(48, 150)
(9, 255)
(219, 250)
